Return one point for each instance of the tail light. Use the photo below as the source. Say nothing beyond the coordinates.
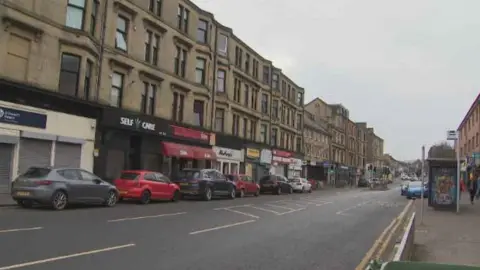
(43, 183)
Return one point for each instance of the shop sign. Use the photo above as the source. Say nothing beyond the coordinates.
(23, 118)
(281, 153)
(191, 133)
(253, 153)
(137, 123)
(227, 153)
(282, 159)
(266, 156)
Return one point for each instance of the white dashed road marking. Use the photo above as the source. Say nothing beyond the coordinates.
(145, 217)
(219, 227)
(21, 230)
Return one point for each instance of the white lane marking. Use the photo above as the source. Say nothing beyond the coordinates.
(53, 259)
(264, 209)
(20, 229)
(281, 207)
(235, 206)
(219, 227)
(290, 202)
(240, 212)
(342, 212)
(315, 202)
(145, 217)
(291, 211)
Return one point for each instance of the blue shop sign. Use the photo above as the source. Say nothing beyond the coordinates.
(22, 118)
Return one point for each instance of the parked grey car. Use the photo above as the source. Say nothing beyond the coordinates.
(59, 187)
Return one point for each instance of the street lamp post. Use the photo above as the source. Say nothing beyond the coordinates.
(452, 135)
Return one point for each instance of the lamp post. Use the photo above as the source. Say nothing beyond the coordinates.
(452, 135)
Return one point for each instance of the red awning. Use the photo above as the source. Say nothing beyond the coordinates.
(177, 150)
(204, 153)
(186, 151)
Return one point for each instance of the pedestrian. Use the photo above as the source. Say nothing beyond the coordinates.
(473, 185)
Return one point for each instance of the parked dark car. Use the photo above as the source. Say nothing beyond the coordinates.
(276, 184)
(59, 187)
(204, 183)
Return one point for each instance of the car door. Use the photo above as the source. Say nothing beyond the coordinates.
(95, 188)
(76, 188)
(250, 185)
(165, 188)
(221, 182)
(150, 181)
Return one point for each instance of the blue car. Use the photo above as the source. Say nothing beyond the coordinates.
(414, 190)
(403, 189)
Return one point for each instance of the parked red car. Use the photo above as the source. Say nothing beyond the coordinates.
(244, 185)
(145, 186)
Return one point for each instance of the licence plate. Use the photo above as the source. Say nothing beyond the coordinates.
(183, 184)
(123, 192)
(266, 185)
(22, 193)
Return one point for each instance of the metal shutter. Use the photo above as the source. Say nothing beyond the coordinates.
(115, 163)
(34, 152)
(6, 156)
(67, 155)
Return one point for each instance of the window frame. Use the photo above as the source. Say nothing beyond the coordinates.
(120, 89)
(124, 33)
(202, 32)
(64, 70)
(74, 7)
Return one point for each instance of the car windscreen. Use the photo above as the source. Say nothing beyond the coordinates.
(415, 184)
(129, 176)
(35, 172)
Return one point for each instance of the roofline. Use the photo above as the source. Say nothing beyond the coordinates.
(469, 112)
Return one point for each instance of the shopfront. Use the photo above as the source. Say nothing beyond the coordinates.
(31, 136)
(281, 161)
(257, 162)
(228, 160)
(295, 168)
(132, 141)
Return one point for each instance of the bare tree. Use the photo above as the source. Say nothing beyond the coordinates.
(441, 150)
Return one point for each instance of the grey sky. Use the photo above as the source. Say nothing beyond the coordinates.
(409, 68)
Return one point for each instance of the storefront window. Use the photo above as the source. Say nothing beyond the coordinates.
(234, 168)
(225, 169)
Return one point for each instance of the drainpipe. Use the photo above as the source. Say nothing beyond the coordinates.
(102, 50)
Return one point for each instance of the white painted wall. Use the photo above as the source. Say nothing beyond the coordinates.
(59, 124)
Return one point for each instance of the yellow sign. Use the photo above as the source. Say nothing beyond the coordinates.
(253, 153)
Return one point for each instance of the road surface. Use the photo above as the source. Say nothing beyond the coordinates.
(322, 230)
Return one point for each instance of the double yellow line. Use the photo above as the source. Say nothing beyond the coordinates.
(383, 241)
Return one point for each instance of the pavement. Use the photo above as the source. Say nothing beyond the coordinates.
(447, 237)
(6, 200)
(321, 230)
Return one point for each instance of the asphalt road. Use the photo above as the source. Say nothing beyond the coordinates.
(322, 230)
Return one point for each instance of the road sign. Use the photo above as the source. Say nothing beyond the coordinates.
(452, 135)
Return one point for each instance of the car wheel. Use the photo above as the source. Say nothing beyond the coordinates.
(25, 203)
(303, 189)
(59, 200)
(242, 193)
(232, 193)
(111, 199)
(207, 195)
(257, 193)
(279, 190)
(145, 197)
(176, 196)
(290, 190)
(310, 190)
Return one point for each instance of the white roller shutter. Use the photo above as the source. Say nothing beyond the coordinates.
(6, 157)
(67, 155)
(34, 152)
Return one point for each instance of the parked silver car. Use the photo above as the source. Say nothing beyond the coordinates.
(59, 187)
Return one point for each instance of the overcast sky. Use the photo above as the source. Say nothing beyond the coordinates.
(409, 68)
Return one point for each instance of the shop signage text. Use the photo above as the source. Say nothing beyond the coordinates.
(137, 123)
(22, 118)
(253, 153)
(190, 133)
(228, 154)
(280, 153)
(282, 159)
(225, 153)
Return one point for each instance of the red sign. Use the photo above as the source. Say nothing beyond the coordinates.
(280, 153)
(190, 133)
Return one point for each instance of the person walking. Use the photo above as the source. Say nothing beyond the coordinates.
(473, 185)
